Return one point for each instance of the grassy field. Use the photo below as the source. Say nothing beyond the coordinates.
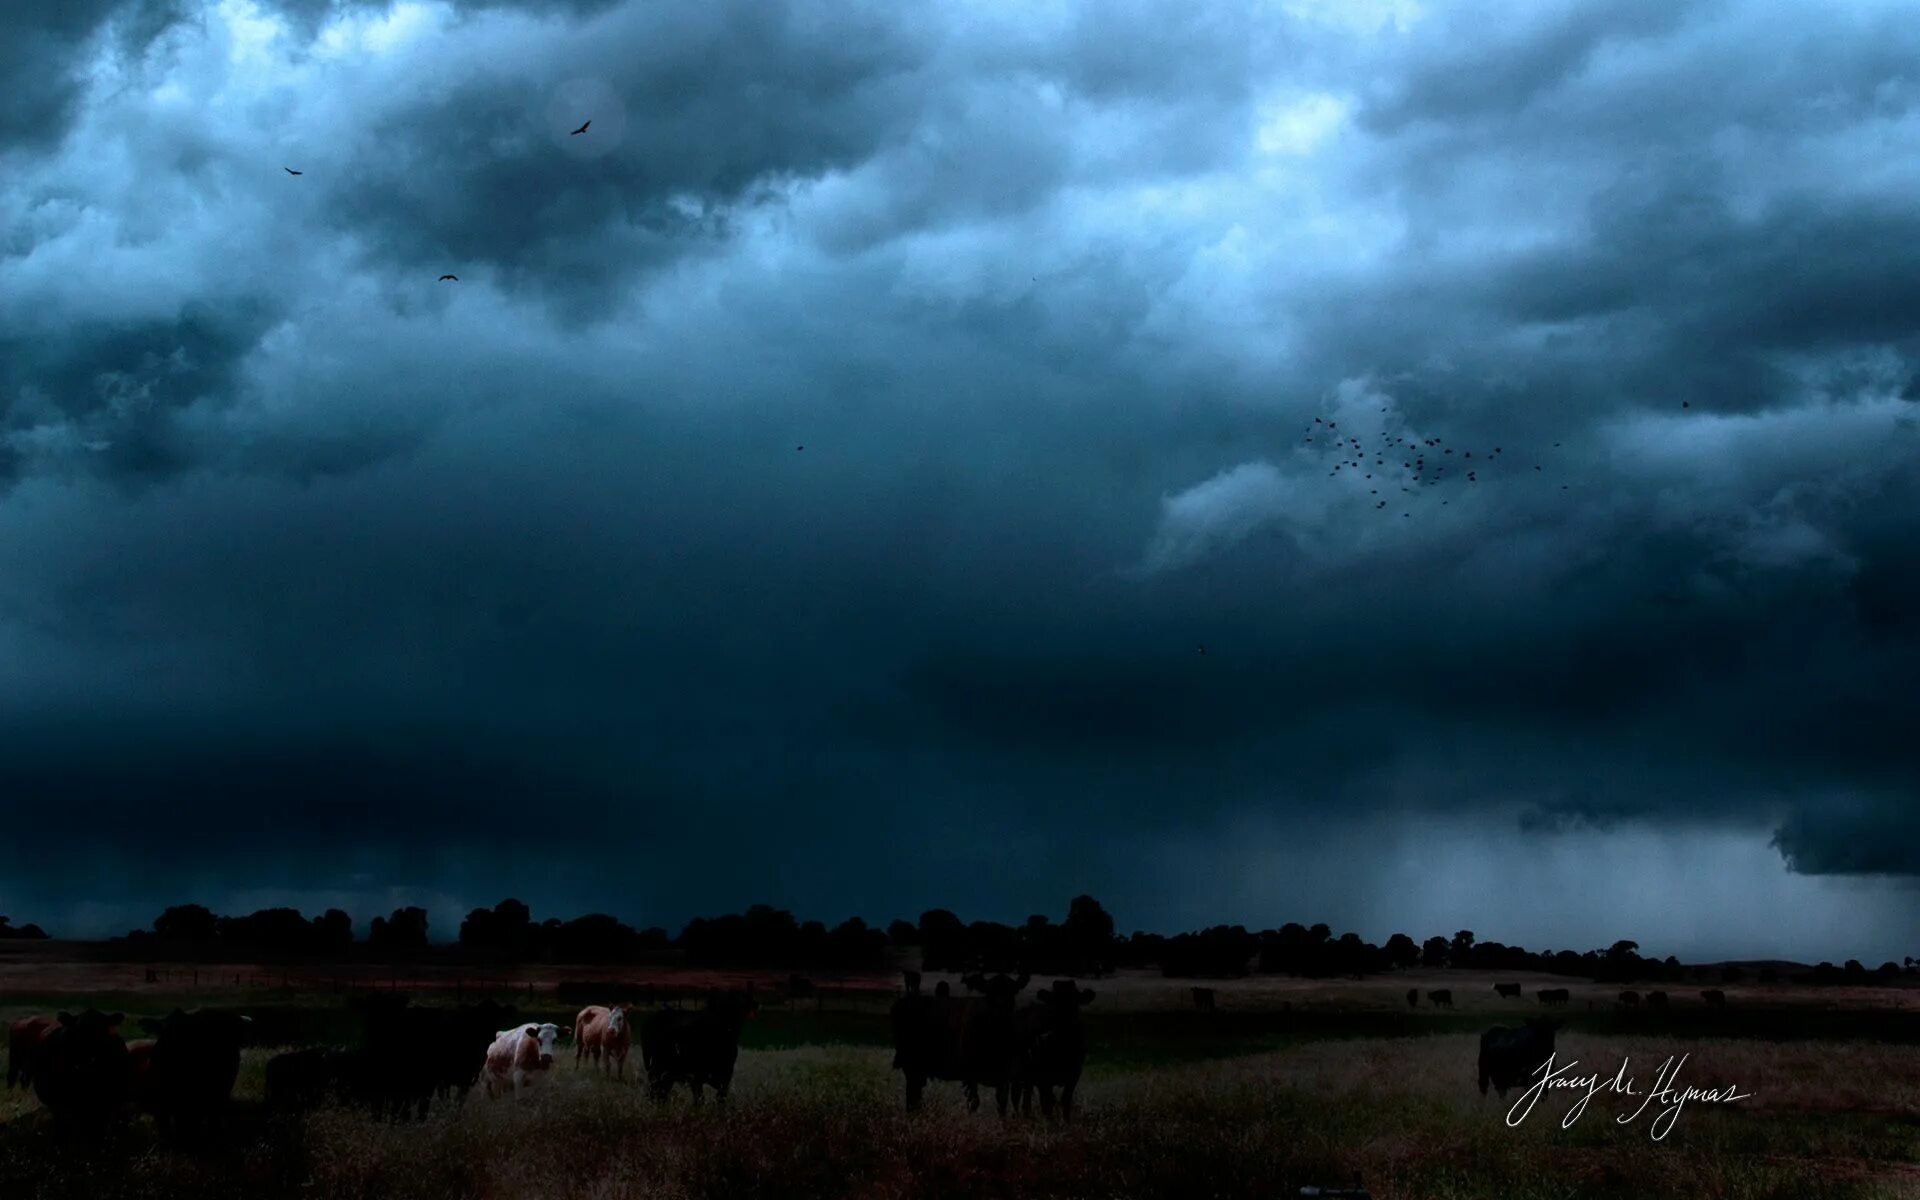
(1252, 1100)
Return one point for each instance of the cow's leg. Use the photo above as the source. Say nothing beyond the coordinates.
(916, 1084)
(699, 1097)
(1000, 1097)
(973, 1096)
(1066, 1095)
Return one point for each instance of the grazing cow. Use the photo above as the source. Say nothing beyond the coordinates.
(1656, 999)
(967, 1040)
(1443, 998)
(81, 1072)
(696, 1048)
(1715, 998)
(521, 1059)
(1413, 997)
(186, 1079)
(912, 981)
(1630, 999)
(1202, 999)
(603, 1035)
(1508, 1056)
(1509, 990)
(302, 1079)
(23, 1038)
(1051, 1047)
(1553, 995)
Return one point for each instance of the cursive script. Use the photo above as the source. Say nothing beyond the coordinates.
(1666, 1089)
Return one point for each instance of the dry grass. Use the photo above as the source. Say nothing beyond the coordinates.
(1826, 1120)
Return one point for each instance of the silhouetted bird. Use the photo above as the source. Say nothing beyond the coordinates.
(1201, 649)
(799, 447)
(1684, 404)
(291, 171)
(444, 278)
(583, 127)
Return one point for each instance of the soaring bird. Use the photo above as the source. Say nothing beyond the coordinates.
(582, 129)
(444, 278)
(291, 171)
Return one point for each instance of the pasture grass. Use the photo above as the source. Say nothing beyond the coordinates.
(1837, 1120)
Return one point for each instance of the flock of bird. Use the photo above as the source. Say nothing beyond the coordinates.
(456, 278)
(1408, 464)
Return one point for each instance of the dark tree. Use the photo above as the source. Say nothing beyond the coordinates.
(190, 924)
(1401, 951)
(1434, 952)
(903, 933)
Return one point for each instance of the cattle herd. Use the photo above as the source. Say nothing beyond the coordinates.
(88, 1076)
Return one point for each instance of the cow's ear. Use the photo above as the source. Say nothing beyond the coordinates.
(1086, 995)
(567, 1032)
(533, 1031)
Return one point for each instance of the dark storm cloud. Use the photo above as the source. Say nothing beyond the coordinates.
(46, 53)
(380, 586)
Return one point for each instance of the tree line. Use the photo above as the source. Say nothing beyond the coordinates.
(1084, 942)
(9, 930)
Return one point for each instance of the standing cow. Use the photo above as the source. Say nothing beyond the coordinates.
(967, 1040)
(603, 1035)
(1630, 999)
(1714, 997)
(1553, 995)
(696, 1048)
(185, 1079)
(1413, 997)
(1510, 991)
(1656, 999)
(1508, 1056)
(910, 981)
(80, 1071)
(1051, 1048)
(1442, 998)
(521, 1059)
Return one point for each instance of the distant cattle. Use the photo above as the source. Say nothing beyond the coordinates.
(603, 1035)
(1509, 1056)
(799, 986)
(1443, 998)
(911, 981)
(1203, 999)
(521, 1059)
(1656, 999)
(1630, 999)
(302, 1079)
(1510, 990)
(1553, 995)
(1715, 998)
(943, 989)
(966, 1040)
(1413, 997)
(188, 1081)
(23, 1039)
(696, 1048)
(81, 1072)
(1051, 1048)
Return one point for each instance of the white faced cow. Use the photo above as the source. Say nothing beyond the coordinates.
(603, 1035)
(521, 1058)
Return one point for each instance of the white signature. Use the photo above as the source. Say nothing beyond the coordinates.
(1666, 1090)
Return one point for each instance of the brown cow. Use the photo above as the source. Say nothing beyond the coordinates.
(603, 1035)
(23, 1038)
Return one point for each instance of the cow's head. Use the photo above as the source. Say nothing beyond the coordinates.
(616, 1019)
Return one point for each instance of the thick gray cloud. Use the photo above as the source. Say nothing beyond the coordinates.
(320, 578)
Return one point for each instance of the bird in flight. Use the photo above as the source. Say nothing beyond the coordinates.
(291, 171)
(583, 127)
(799, 447)
(444, 278)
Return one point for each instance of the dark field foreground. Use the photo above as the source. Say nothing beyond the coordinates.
(1250, 1101)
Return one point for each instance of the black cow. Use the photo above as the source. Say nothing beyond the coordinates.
(1051, 1047)
(1202, 999)
(799, 985)
(911, 980)
(1443, 998)
(81, 1071)
(970, 1041)
(1715, 998)
(1413, 997)
(1630, 999)
(1510, 990)
(414, 1053)
(188, 1077)
(457, 1044)
(1553, 995)
(943, 989)
(1656, 999)
(695, 1048)
(1508, 1056)
(302, 1079)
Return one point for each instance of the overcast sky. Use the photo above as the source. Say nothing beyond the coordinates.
(323, 581)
